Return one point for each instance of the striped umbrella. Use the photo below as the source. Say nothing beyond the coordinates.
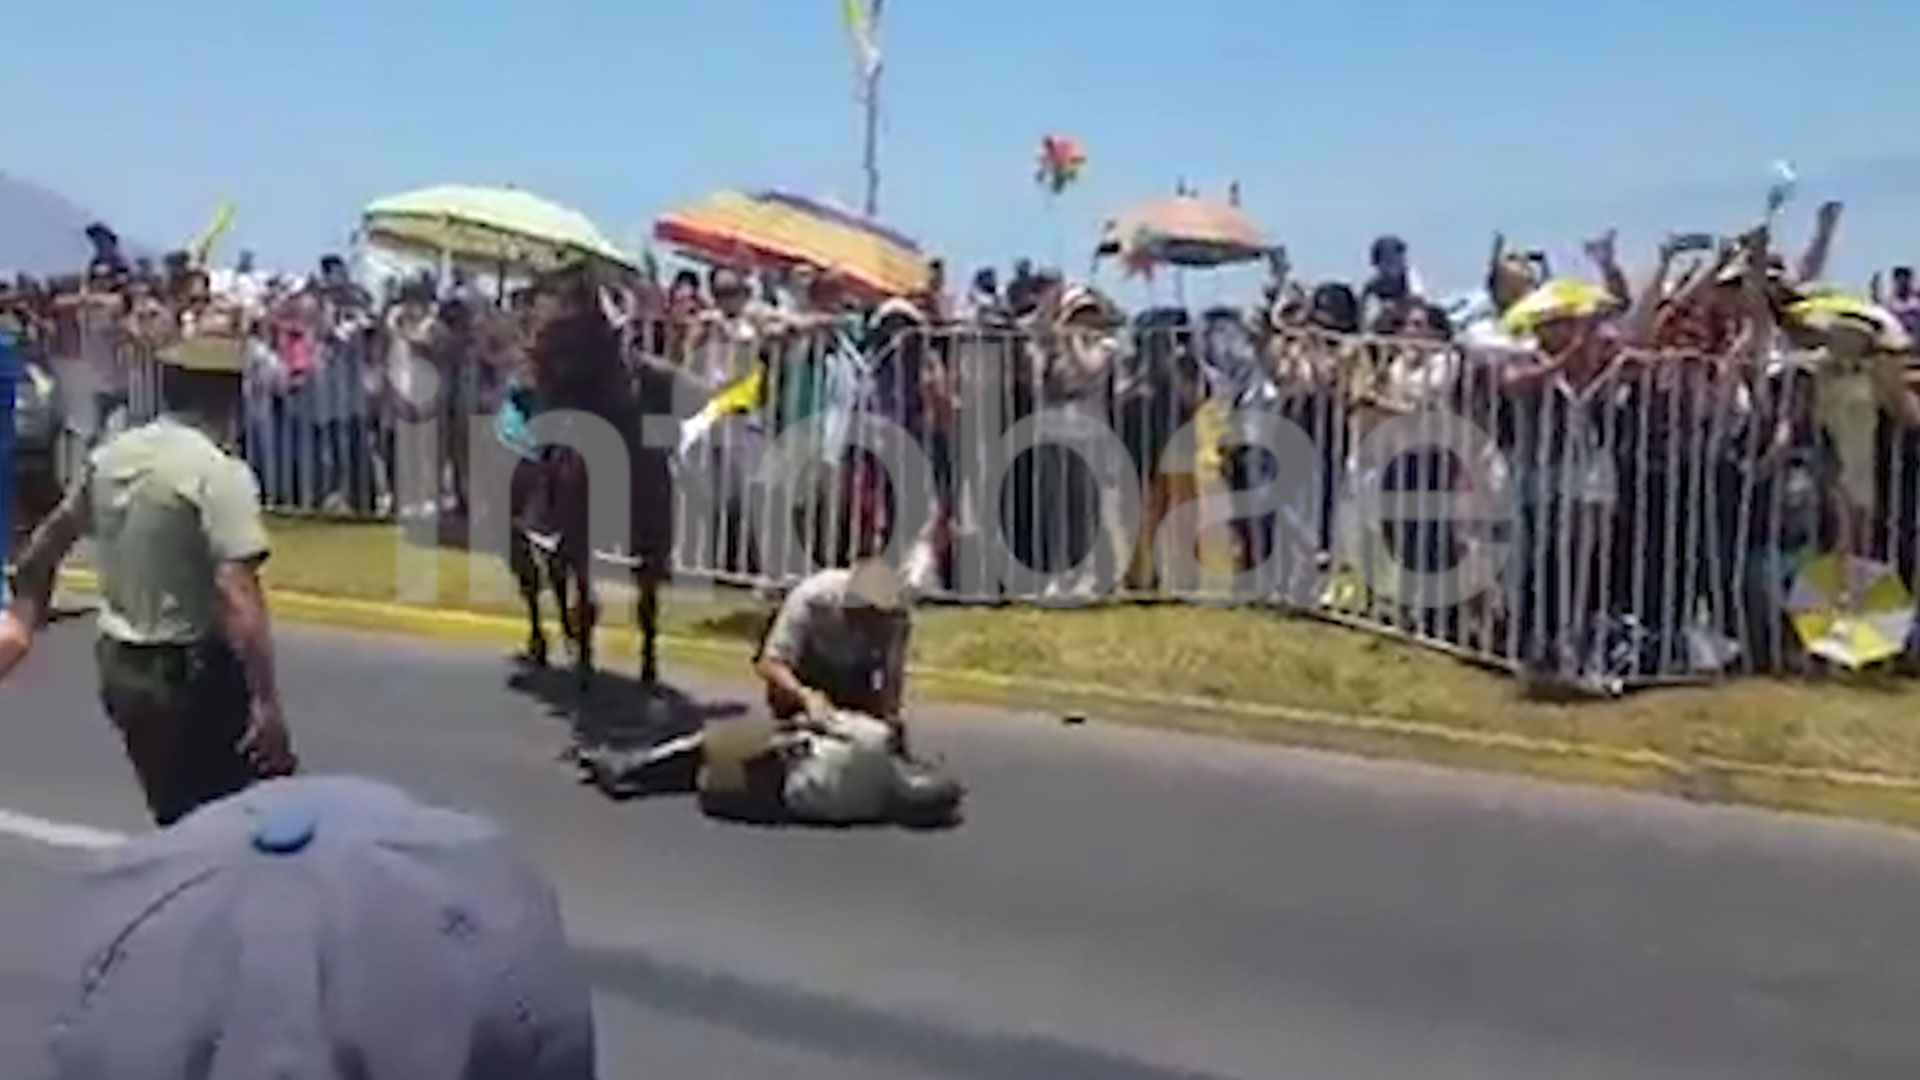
(1183, 231)
(782, 230)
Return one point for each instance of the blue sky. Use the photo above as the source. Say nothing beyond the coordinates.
(1438, 121)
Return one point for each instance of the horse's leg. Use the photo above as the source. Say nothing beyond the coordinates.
(647, 618)
(586, 616)
(558, 581)
(526, 571)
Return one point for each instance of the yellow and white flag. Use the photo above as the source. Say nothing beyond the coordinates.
(863, 26)
(743, 395)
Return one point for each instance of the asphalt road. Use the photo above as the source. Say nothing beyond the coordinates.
(1119, 905)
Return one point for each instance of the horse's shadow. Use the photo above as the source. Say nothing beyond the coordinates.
(617, 721)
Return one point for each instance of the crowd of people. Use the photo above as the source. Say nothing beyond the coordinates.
(1680, 394)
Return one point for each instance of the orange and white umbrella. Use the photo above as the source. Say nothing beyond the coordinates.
(1184, 231)
(782, 230)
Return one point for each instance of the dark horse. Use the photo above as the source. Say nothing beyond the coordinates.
(578, 371)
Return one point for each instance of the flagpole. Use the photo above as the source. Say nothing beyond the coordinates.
(871, 156)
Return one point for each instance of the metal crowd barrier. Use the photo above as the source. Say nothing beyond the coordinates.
(9, 468)
(1643, 526)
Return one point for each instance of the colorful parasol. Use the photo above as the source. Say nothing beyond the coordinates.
(1561, 298)
(492, 225)
(784, 230)
(1183, 231)
(1853, 617)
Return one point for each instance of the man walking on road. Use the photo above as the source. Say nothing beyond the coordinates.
(185, 650)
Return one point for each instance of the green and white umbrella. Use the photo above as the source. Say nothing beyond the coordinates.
(489, 225)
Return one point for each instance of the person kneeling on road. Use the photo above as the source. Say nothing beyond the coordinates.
(834, 663)
(839, 642)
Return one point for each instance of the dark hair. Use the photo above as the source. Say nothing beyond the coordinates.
(206, 394)
(1334, 308)
(1903, 271)
(1162, 319)
(1387, 245)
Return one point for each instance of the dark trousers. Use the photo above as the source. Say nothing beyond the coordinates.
(181, 711)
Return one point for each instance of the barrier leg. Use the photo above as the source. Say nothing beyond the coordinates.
(9, 468)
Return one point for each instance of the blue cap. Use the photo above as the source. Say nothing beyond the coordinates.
(285, 830)
(315, 920)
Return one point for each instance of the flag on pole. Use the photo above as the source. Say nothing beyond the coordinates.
(743, 395)
(202, 247)
(862, 28)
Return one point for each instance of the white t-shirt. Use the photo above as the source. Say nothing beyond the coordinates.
(1477, 329)
(411, 375)
(247, 291)
(730, 349)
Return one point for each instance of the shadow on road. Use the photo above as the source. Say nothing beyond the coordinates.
(843, 1030)
(616, 725)
(618, 710)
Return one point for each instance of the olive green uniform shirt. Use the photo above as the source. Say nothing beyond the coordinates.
(166, 506)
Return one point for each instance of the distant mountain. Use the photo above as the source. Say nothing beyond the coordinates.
(43, 233)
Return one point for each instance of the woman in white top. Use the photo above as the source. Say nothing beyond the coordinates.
(412, 399)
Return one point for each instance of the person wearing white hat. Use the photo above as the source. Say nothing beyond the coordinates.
(839, 642)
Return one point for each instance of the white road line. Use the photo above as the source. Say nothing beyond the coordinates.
(58, 833)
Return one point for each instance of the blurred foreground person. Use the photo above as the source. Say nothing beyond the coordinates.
(185, 649)
(319, 927)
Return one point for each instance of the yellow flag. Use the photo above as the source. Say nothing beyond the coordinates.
(743, 395)
(222, 221)
(866, 47)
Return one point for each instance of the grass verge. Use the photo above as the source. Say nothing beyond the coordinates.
(1263, 675)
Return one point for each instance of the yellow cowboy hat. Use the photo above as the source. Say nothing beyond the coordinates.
(1830, 311)
(1561, 298)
